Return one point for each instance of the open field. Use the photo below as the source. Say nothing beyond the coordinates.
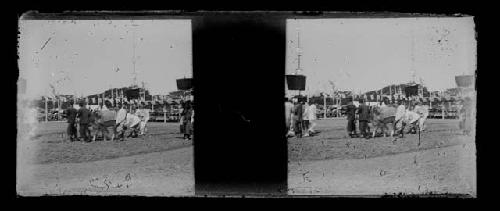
(55, 148)
(329, 163)
(160, 163)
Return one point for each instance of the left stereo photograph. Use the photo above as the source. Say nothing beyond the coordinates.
(105, 107)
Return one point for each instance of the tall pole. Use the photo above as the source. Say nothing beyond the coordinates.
(333, 99)
(442, 110)
(298, 51)
(59, 108)
(133, 58)
(324, 105)
(53, 103)
(112, 97)
(338, 106)
(380, 98)
(413, 72)
(46, 110)
(164, 114)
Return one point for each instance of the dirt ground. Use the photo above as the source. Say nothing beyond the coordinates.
(160, 164)
(55, 148)
(331, 164)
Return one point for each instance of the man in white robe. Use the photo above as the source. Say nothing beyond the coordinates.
(312, 117)
(399, 119)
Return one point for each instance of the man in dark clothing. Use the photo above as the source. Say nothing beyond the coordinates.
(187, 113)
(70, 113)
(364, 118)
(84, 118)
(351, 119)
(297, 115)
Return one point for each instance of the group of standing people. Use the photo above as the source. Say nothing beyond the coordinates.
(300, 118)
(387, 117)
(397, 118)
(111, 122)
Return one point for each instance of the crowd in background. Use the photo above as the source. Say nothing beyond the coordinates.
(117, 122)
(386, 118)
(108, 121)
(397, 118)
(300, 117)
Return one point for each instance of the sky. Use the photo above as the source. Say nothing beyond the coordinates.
(86, 57)
(367, 54)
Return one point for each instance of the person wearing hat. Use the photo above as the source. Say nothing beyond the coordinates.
(351, 118)
(187, 114)
(70, 113)
(305, 118)
(84, 116)
(364, 118)
(297, 117)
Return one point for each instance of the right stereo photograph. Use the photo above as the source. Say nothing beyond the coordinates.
(381, 106)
